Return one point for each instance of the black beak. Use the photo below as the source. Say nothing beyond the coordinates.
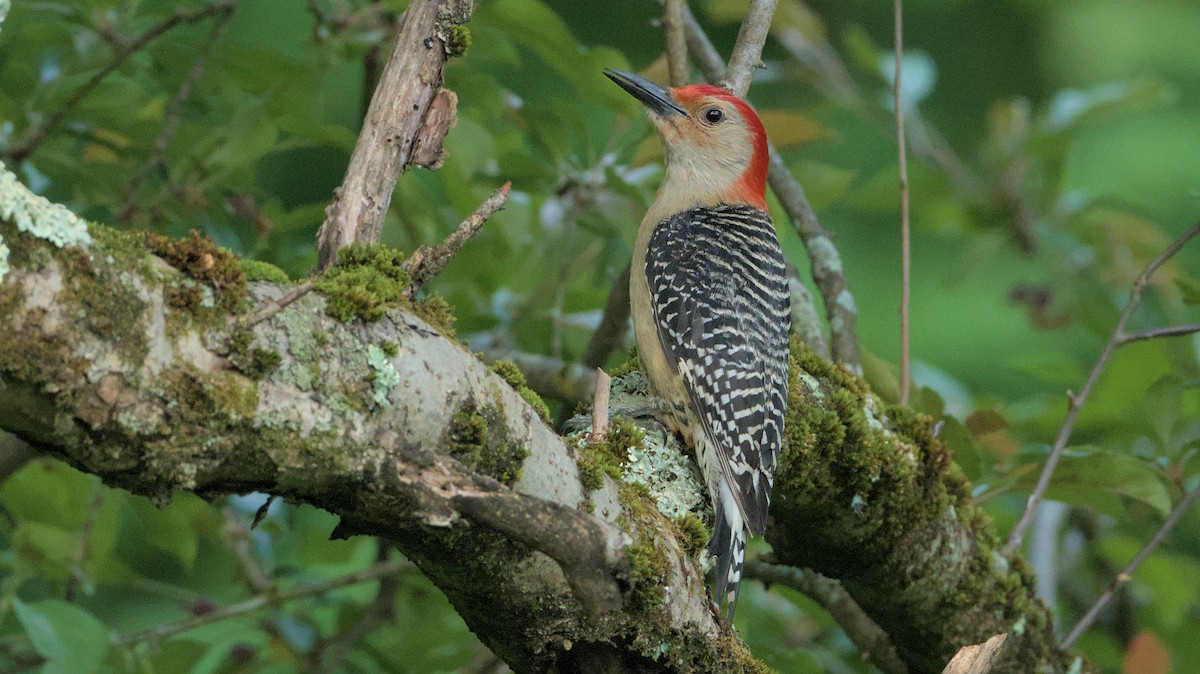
(654, 96)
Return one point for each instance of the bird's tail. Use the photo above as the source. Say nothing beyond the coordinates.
(728, 545)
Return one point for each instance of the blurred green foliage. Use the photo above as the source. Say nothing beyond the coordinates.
(1054, 154)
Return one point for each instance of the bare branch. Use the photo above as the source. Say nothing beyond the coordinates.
(872, 641)
(1156, 333)
(265, 600)
(397, 127)
(905, 243)
(1076, 401)
(1124, 577)
(36, 135)
(278, 305)
(747, 51)
(600, 407)
(677, 59)
(550, 377)
(426, 262)
(823, 256)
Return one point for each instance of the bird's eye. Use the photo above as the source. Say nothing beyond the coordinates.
(713, 115)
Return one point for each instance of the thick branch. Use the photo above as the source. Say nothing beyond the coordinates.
(426, 447)
(397, 128)
(747, 51)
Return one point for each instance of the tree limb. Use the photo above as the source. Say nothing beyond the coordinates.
(430, 449)
(747, 51)
(395, 128)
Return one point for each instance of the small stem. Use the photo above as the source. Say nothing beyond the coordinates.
(1122, 578)
(260, 601)
(600, 408)
(1156, 333)
(1076, 401)
(279, 305)
(905, 248)
(426, 262)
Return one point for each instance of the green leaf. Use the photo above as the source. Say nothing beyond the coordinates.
(72, 640)
(44, 550)
(168, 529)
(1190, 288)
(1095, 478)
(1162, 404)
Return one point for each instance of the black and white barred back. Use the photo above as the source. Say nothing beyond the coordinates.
(719, 292)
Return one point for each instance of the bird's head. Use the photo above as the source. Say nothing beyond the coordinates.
(714, 143)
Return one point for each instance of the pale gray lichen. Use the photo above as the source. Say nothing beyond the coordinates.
(385, 376)
(35, 214)
(668, 473)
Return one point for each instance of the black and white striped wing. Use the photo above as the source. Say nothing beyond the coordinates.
(719, 291)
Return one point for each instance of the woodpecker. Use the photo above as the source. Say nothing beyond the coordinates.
(711, 311)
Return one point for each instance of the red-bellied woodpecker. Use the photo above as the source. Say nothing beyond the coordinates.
(709, 297)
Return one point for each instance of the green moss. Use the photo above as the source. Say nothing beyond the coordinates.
(692, 533)
(203, 261)
(436, 311)
(479, 440)
(648, 569)
(511, 374)
(254, 362)
(367, 281)
(257, 270)
(591, 472)
(458, 41)
(389, 348)
(631, 364)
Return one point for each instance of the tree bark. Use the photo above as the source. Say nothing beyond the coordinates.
(142, 373)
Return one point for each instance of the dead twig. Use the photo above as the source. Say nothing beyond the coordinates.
(427, 261)
(600, 408)
(1126, 574)
(408, 116)
(1076, 401)
(278, 305)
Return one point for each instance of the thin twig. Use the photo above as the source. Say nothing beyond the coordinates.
(747, 51)
(1170, 331)
(870, 639)
(1122, 578)
(824, 259)
(278, 305)
(36, 135)
(174, 111)
(600, 407)
(1075, 401)
(905, 253)
(78, 574)
(263, 600)
(426, 262)
(677, 60)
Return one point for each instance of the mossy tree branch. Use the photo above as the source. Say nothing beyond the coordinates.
(140, 371)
